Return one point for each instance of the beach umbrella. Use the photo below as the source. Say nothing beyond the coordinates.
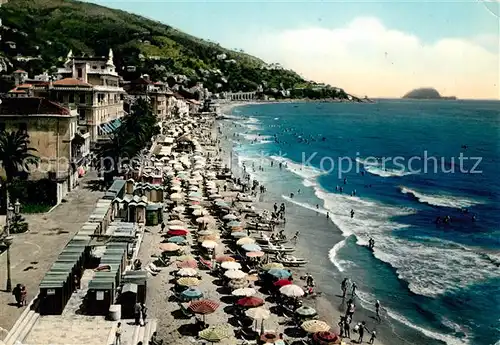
(194, 194)
(205, 220)
(194, 189)
(222, 205)
(250, 302)
(253, 277)
(187, 272)
(233, 224)
(230, 265)
(185, 258)
(195, 207)
(176, 189)
(229, 216)
(306, 311)
(177, 232)
(169, 247)
(179, 209)
(251, 247)
(244, 292)
(225, 258)
(176, 222)
(238, 284)
(176, 239)
(209, 244)
(205, 232)
(260, 313)
(272, 265)
(326, 338)
(245, 240)
(191, 293)
(216, 333)
(176, 196)
(215, 196)
(315, 326)
(255, 254)
(292, 290)
(200, 212)
(212, 237)
(238, 234)
(282, 282)
(235, 274)
(279, 273)
(187, 263)
(176, 227)
(188, 281)
(204, 306)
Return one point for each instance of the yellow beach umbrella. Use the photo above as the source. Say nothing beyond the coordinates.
(215, 333)
(314, 326)
(188, 281)
(245, 240)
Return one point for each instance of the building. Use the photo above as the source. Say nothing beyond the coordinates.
(161, 98)
(52, 129)
(89, 84)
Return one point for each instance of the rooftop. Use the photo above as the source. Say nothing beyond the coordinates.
(71, 82)
(31, 106)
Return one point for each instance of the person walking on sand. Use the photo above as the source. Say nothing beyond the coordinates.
(372, 338)
(137, 313)
(361, 331)
(144, 314)
(347, 329)
(162, 226)
(118, 334)
(341, 327)
(343, 286)
(295, 237)
(377, 310)
(354, 287)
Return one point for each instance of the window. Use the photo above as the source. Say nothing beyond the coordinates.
(2, 127)
(103, 67)
(23, 127)
(81, 114)
(77, 98)
(80, 73)
(94, 67)
(71, 98)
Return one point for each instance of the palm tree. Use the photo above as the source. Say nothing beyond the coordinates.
(15, 156)
(110, 153)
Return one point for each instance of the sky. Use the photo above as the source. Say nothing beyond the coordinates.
(374, 48)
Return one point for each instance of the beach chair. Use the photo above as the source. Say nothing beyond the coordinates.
(205, 264)
(185, 311)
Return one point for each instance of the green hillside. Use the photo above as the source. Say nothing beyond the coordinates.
(48, 29)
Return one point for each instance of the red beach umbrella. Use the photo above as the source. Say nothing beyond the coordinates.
(177, 232)
(250, 302)
(224, 258)
(326, 338)
(187, 264)
(204, 306)
(282, 282)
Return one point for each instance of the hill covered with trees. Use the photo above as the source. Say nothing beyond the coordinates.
(37, 35)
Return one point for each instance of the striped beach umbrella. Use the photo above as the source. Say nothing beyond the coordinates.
(191, 293)
(177, 239)
(216, 333)
(250, 302)
(230, 265)
(204, 306)
(279, 273)
(188, 281)
(187, 272)
(315, 326)
(306, 311)
(292, 290)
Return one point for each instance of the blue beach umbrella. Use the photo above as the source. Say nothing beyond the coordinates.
(195, 194)
(234, 223)
(191, 293)
(251, 248)
(176, 239)
(222, 204)
(239, 234)
(279, 273)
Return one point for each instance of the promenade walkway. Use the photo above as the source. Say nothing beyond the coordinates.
(33, 253)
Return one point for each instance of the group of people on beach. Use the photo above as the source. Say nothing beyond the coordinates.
(346, 320)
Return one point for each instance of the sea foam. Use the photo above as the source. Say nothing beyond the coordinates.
(440, 200)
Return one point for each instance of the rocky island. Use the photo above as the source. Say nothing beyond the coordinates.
(426, 93)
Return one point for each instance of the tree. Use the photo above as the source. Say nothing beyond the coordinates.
(112, 152)
(15, 156)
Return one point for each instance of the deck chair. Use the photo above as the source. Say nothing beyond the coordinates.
(185, 311)
(205, 264)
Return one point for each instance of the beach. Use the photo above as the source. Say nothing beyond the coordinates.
(330, 307)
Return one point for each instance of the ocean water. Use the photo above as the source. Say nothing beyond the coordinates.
(407, 163)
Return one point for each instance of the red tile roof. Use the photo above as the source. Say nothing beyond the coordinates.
(31, 106)
(17, 91)
(71, 82)
(24, 86)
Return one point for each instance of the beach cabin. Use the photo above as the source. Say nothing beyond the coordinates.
(154, 215)
(102, 215)
(117, 190)
(138, 278)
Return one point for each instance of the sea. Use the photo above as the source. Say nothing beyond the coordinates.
(420, 178)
